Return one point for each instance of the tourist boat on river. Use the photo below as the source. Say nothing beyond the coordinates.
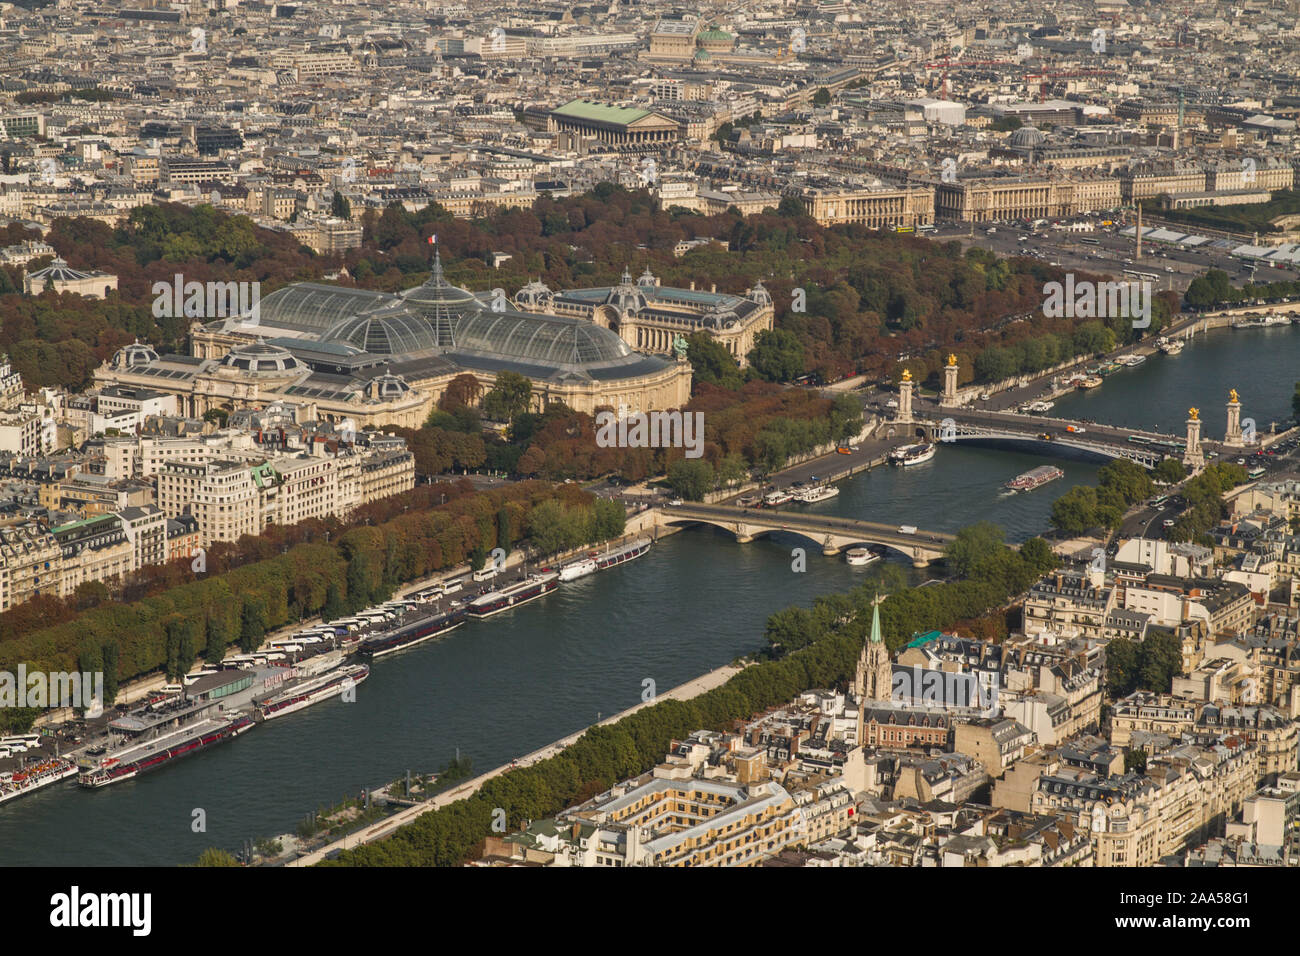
(623, 553)
(514, 595)
(579, 569)
(860, 556)
(1034, 478)
(910, 455)
(410, 631)
(142, 754)
(27, 780)
(312, 690)
(811, 496)
(774, 499)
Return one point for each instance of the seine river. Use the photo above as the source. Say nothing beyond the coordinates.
(500, 688)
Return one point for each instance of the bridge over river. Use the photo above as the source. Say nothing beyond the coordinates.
(830, 533)
(1050, 435)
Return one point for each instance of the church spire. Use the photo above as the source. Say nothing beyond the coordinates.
(875, 621)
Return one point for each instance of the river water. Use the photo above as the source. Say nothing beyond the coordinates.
(500, 688)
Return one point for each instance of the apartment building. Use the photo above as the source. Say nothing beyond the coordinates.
(1069, 604)
(29, 562)
(1138, 820)
(221, 495)
(92, 549)
(230, 498)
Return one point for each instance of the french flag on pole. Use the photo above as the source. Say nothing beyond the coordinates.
(433, 239)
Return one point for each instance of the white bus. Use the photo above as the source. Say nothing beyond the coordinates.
(485, 574)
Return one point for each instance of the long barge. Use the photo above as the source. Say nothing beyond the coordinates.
(310, 691)
(503, 599)
(408, 634)
(623, 553)
(139, 757)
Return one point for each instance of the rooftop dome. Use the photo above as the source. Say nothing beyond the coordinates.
(260, 358)
(535, 295)
(626, 296)
(388, 330)
(134, 355)
(60, 271)
(1027, 137)
(386, 386)
(647, 279)
(439, 302)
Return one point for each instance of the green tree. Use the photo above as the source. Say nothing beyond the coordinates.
(1038, 555)
(711, 362)
(334, 607)
(822, 97)
(972, 546)
(691, 478)
(508, 398)
(340, 208)
(1162, 661)
(1122, 666)
(215, 857)
(1170, 470)
(777, 355)
(1076, 510)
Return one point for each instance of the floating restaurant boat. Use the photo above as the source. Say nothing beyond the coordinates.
(1088, 382)
(910, 455)
(1173, 346)
(579, 569)
(1132, 360)
(813, 495)
(411, 631)
(521, 592)
(623, 553)
(774, 499)
(304, 693)
(141, 755)
(1039, 408)
(1034, 478)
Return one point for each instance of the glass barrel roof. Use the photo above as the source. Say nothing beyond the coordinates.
(543, 339)
(314, 307)
(387, 331)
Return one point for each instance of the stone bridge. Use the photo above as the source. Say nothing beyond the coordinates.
(830, 533)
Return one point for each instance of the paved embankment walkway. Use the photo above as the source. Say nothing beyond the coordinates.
(388, 825)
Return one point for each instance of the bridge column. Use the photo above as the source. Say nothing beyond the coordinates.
(949, 397)
(828, 548)
(742, 536)
(1193, 457)
(919, 560)
(1232, 436)
(905, 399)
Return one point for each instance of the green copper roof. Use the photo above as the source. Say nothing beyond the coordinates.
(600, 112)
(875, 624)
(920, 639)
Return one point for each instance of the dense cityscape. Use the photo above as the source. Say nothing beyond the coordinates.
(932, 368)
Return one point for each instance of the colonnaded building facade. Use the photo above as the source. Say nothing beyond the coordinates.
(380, 359)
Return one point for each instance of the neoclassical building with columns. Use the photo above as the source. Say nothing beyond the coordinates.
(381, 359)
(649, 316)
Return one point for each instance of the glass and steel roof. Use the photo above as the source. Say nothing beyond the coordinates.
(542, 339)
(393, 330)
(315, 307)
